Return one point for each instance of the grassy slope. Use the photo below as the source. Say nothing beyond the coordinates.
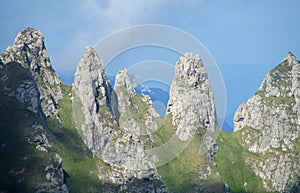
(230, 159)
(181, 174)
(22, 166)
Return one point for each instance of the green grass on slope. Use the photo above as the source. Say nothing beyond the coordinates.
(232, 167)
(80, 166)
(163, 134)
(182, 173)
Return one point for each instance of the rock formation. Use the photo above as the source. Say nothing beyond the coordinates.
(270, 126)
(92, 94)
(28, 78)
(122, 127)
(114, 124)
(30, 51)
(191, 98)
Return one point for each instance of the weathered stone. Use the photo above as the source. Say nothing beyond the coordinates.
(91, 92)
(30, 51)
(113, 123)
(270, 124)
(191, 98)
(54, 177)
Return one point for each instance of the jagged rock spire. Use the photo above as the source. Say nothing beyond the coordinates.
(191, 98)
(30, 51)
(123, 81)
(92, 91)
(116, 140)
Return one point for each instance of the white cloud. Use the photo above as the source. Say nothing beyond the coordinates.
(99, 18)
(119, 12)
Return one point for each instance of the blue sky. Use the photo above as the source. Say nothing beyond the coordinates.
(247, 38)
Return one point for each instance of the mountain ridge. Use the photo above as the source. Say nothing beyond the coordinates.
(90, 137)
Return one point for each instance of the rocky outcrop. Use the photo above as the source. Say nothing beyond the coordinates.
(17, 82)
(114, 124)
(127, 98)
(54, 177)
(92, 95)
(191, 98)
(192, 108)
(30, 51)
(270, 126)
(137, 119)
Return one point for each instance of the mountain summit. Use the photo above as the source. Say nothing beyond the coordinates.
(29, 50)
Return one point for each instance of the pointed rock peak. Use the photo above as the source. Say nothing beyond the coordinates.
(191, 99)
(91, 60)
(30, 36)
(191, 61)
(90, 53)
(290, 58)
(29, 50)
(123, 81)
(190, 70)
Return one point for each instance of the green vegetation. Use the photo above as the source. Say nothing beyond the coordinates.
(281, 75)
(230, 159)
(24, 169)
(163, 134)
(282, 67)
(22, 166)
(182, 173)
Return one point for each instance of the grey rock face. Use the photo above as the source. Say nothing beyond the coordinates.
(91, 90)
(30, 51)
(28, 94)
(54, 177)
(112, 123)
(192, 107)
(270, 125)
(130, 148)
(126, 98)
(191, 98)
